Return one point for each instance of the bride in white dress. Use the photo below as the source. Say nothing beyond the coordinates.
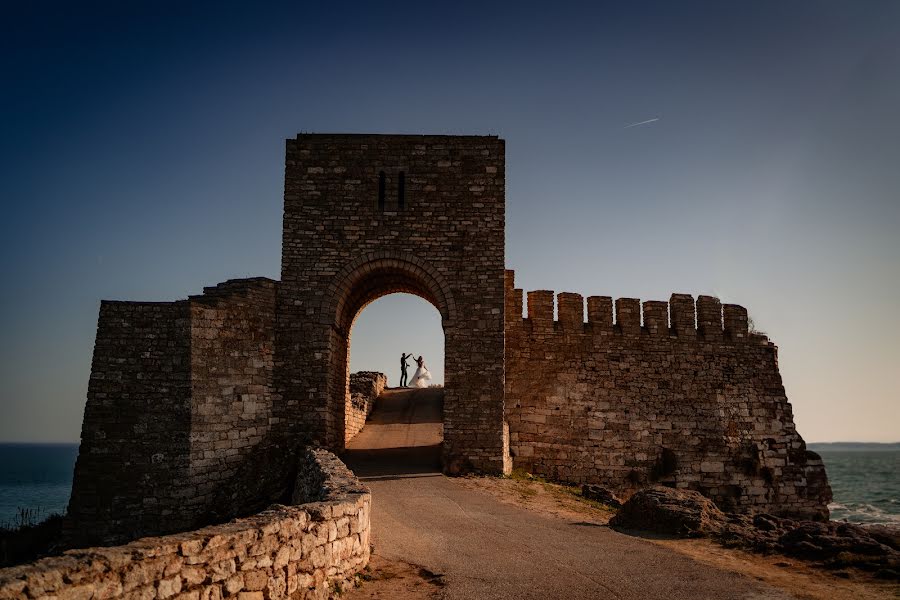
(422, 376)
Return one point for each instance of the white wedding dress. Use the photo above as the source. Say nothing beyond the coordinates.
(421, 377)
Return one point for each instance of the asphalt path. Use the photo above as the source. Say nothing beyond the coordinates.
(487, 549)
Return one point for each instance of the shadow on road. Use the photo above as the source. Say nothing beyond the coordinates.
(394, 461)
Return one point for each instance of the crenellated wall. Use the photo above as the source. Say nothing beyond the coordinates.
(678, 393)
(178, 430)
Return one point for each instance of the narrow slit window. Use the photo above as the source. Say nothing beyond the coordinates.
(381, 186)
(401, 190)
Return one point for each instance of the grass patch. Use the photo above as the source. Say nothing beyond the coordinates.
(559, 490)
(575, 491)
(523, 475)
(29, 537)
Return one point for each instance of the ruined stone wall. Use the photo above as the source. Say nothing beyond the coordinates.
(133, 462)
(177, 426)
(364, 389)
(695, 402)
(351, 236)
(233, 469)
(299, 551)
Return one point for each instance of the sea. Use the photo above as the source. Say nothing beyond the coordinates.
(36, 480)
(865, 481)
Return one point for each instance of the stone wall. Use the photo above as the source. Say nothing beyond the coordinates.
(365, 387)
(235, 462)
(194, 406)
(300, 551)
(177, 426)
(696, 402)
(370, 215)
(133, 464)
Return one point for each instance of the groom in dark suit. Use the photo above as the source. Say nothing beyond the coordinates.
(403, 365)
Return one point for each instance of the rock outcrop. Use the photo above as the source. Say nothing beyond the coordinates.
(833, 544)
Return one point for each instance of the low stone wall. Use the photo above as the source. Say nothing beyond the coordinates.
(365, 387)
(301, 551)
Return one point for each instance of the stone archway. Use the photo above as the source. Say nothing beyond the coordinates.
(361, 282)
(350, 239)
(377, 274)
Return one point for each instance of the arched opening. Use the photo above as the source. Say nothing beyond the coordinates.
(361, 283)
(401, 432)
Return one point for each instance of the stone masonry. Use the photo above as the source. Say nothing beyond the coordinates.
(135, 441)
(370, 215)
(692, 403)
(307, 550)
(177, 423)
(365, 387)
(196, 407)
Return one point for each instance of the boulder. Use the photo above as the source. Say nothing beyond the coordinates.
(668, 511)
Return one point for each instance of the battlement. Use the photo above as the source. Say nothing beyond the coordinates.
(388, 137)
(682, 317)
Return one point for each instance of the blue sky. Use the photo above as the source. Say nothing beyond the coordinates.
(142, 158)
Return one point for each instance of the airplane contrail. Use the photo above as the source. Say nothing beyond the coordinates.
(641, 123)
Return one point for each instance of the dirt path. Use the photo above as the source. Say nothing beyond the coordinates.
(470, 545)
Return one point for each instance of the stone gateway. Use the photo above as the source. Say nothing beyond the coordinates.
(195, 407)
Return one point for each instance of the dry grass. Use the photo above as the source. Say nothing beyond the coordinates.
(800, 579)
(395, 580)
(525, 490)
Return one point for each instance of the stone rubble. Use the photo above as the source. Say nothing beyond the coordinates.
(364, 388)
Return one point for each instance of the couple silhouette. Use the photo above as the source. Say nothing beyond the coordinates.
(420, 378)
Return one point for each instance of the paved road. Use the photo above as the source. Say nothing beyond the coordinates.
(486, 549)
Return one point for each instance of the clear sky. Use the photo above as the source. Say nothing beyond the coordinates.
(141, 158)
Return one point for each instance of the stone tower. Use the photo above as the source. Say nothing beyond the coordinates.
(370, 215)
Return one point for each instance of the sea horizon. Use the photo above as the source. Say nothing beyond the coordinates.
(864, 476)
